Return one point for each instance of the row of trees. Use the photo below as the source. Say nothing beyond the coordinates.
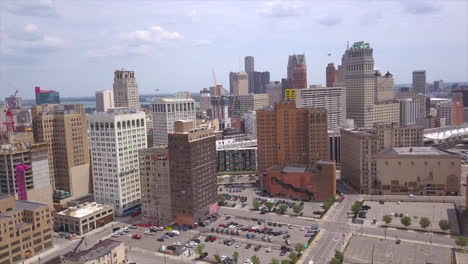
(424, 222)
(297, 208)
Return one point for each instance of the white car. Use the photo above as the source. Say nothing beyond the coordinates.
(115, 234)
(290, 226)
(190, 245)
(268, 250)
(231, 226)
(176, 244)
(147, 232)
(247, 261)
(237, 245)
(302, 228)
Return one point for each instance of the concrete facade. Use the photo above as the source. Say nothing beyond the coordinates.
(331, 75)
(239, 83)
(126, 90)
(104, 100)
(250, 124)
(274, 91)
(83, 218)
(236, 155)
(419, 82)
(243, 103)
(409, 111)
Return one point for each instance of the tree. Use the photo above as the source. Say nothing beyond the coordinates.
(425, 222)
(297, 208)
(217, 258)
(275, 261)
(285, 261)
(269, 205)
(406, 221)
(293, 257)
(255, 259)
(283, 208)
(222, 200)
(461, 241)
(338, 258)
(200, 249)
(299, 247)
(256, 204)
(357, 207)
(235, 256)
(328, 203)
(444, 225)
(387, 219)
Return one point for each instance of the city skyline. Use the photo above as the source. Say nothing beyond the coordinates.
(73, 48)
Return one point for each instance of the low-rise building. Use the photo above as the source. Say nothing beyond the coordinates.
(107, 251)
(316, 182)
(419, 171)
(83, 218)
(236, 155)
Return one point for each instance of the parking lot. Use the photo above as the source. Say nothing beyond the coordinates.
(415, 210)
(372, 250)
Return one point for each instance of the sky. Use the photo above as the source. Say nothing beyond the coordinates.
(75, 46)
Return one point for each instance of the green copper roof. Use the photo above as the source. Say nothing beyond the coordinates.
(360, 45)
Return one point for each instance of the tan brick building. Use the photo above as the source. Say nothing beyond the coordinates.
(83, 218)
(26, 229)
(107, 251)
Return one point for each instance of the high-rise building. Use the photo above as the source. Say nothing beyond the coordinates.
(258, 81)
(359, 149)
(444, 113)
(384, 87)
(249, 64)
(239, 84)
(193, 173)
(116, 137)
(220, 110)
(274, 91)
(409, 111)
(286, 134)
(205, 100)
(243, 103)
(104, 100)
(156, 206)
(64, 127)
(46, 96)
(297, 71)
(236, 155)
(331, 98)
(126, 90)
(439, 85)
(250, 121)
(419, 82)
(458, 111)
(331, 75)
(27, 229)
(168, 110)
(294, 61)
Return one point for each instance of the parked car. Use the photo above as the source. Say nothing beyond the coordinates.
(248, 246)
(136, 237)
(161, 239)
(257, 248)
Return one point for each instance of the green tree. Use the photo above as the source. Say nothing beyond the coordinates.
(293, 257)
(406, 221)
(297, 208)
(357, 207)
(200, 249)
(283, 208)
(255, 259)
(461, 241)
(337, 258)
(269, 205)
(444, 224)
(285, 261)
(328, 203)
(256, 204)
(274, 261)
(424, 222)
(299, 247)
(387, 219)
(235, 256)
(217, 258)
(222, 200)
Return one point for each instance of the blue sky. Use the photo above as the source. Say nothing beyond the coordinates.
(75, 46)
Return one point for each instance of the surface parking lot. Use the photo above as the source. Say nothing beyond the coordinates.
(415, 210)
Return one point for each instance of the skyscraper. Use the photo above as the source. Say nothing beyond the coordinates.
(331, 75)
(419, 82)
(409, 111)
(126, 89)
(104, 100)
(249, 64)
(193, 173)
(116, 137)
(239, 83)
(274, 91)
(205, 100)
(46, 96)
(294, 61)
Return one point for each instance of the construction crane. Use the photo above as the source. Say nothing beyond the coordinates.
(9, 118)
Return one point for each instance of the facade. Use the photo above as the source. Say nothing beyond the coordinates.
(83, 218)
(107, 251)
(249, 64)
(116, 137)
(236, 155)
(295, 61)
(274, 91)
(444, 113)
(290, 95)
(334, 147)
(104, 100)
(194, 189)
(438, 85)
(27, 229)
(384, 88)
(331, 98)
(46, 96)
(239, 83)
(64, 128)
(126, 90)
(287, 135)
(458, 111)
(419, 171)
(331, 75)
(360, 147)
(250, 124)
(419, 82)
(205, 100)
(258, 81)
(409, 111)
(25, 172)
(243, 103)
(317, 182)
(168, 110)
(156, 206)
(220, 110)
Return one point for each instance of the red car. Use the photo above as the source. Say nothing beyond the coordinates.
(213, 239)
(136, 213)
(222, 225)
(136, 236)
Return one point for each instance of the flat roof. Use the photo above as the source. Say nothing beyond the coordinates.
(83, 209)
(28, 205)
(97, 251)
(417, 151)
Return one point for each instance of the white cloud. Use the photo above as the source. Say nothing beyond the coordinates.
(155, 34)
(329, 20)
(282, 8)
(30, 28)
(201, 42)
(40, 8)
(421, 7)
(32, 41)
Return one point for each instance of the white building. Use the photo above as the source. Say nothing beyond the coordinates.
(116, 136)
(168, 110)
(250, 122)
(104, 100)
(126, 89)
(409, 111)
(331, 98)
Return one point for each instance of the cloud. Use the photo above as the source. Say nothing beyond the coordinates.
(282, 8)
(30, 40)
(370, 18)
(154, 34)
(421, 7)
(38, 8)
(329, 20)
(201, 42)
(30, 28)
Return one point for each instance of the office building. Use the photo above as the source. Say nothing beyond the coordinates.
(331, 75)
(304, 182)
(156, 206)
(299, 80)
(444, 113)
(287, 134)
(26, 229)
(334, 147)
(249, 64)
(239, 84)
(126, 89)
(258, 81)
(250, 124)
(168, 110)
(116, 137)
(439, 86)
(236, 155)
(331, 98)
(458, 111)
(64, 128)
(286, 84)
(23, 117)
(409, 111)
(275, 92)
(46, 96)
(418, 171)
(25, 172)
(220, 110)
(360, 147)
(243, 103)
(419, 82)
(104, 100)
(205, 100)
(107, 251)
(294, 61)
(384, 87)
(194, 189)
(83, 218)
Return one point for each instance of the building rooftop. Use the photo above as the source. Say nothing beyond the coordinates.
(173, 100)
(97, 251)
(360, 45)
(417, 151)
(20, 205)
(83, 210)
